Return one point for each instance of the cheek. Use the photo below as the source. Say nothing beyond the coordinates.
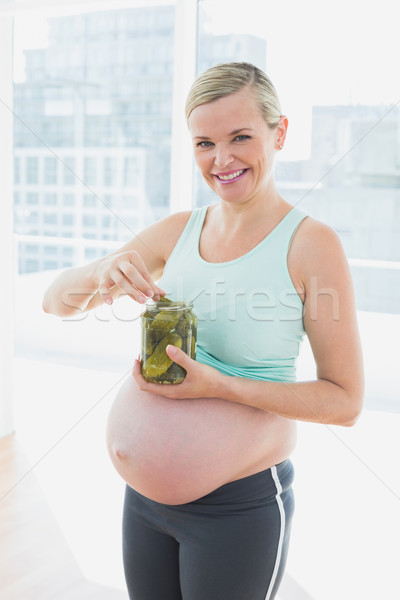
(203, 163)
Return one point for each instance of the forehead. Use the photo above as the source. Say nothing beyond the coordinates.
(235, 111)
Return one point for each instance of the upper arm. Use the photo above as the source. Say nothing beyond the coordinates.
(154, 244)
(330, 317)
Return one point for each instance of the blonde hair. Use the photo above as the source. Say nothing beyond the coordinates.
(227, 78)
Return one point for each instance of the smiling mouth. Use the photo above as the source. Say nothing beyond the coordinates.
(230, 176)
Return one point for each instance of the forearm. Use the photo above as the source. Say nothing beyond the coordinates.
(70, 293)
(319, 401)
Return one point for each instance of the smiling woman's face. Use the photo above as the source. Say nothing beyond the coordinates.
(233, 146)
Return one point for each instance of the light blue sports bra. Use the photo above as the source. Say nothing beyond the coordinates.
(250, 317)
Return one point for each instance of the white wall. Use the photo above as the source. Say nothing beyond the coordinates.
(6, 230)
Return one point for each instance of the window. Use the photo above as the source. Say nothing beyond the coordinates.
(68, 200)
(75, 102)
(68, 219)
(50, 169)
(50, 219)
(17, 169)
(50, 250)
(50, 264)
(31, 248)
(32, 217)
(109, 171)
(131, 171)
(89, 220)
(91, 253)
(30, 265)
(90, 170)
(32, 198)
(69, 177)
(32, 173)
(89, 201)
(50, 199)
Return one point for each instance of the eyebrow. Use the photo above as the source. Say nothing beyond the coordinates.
(234, 132)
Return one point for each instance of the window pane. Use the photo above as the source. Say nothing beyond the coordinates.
(32, 175)
(50, 199)
(50, 169)
(96, 88)
(110, 171)
(68, 200)
(32, 198)
(69, 169)
(90, 171)
(17, 170)
(341, 160)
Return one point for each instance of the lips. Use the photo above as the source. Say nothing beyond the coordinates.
(230, 176)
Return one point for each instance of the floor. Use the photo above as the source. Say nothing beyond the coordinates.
(36, 563)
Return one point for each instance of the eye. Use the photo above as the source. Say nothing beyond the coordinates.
(205, 144)
(242, 137)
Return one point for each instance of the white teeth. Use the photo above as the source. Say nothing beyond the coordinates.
(231, 176)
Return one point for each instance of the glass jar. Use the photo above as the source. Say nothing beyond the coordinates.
(162, 323)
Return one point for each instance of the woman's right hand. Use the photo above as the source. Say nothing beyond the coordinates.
(128, 272)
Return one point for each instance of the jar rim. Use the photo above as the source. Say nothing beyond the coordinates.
(174, 305)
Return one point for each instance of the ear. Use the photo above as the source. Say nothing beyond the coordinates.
(280, 132)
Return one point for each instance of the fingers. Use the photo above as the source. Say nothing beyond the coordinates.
(105, 291)
(130, 274)
(137, 261)
(178, 355)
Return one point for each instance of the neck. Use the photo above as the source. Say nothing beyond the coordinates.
(254, 213)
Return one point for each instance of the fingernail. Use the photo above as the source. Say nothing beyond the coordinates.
(108, 300)
(171, 349)
(142, 299)
(149, 293)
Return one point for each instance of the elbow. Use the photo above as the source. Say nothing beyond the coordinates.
(353, 412)
(46, 305)
(52, 308)
(349, 422)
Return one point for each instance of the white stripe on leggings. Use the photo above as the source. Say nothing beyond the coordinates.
(281, 534)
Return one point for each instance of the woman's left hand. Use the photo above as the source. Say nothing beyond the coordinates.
(201, 381)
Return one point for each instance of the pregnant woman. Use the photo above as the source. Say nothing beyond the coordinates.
(208, 502)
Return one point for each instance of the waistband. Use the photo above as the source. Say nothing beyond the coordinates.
(260, 486)
(248, 491)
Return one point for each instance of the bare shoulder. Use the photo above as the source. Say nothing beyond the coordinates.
(313, 234)
(170, 229)
(316, 250)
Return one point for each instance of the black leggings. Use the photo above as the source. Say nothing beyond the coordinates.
(229, 545)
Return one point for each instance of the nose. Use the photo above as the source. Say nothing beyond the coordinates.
(223, 156)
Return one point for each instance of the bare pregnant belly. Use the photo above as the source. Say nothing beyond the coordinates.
(174, 451)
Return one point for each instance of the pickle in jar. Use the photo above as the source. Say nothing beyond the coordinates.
(159, 362)
(166, 322)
